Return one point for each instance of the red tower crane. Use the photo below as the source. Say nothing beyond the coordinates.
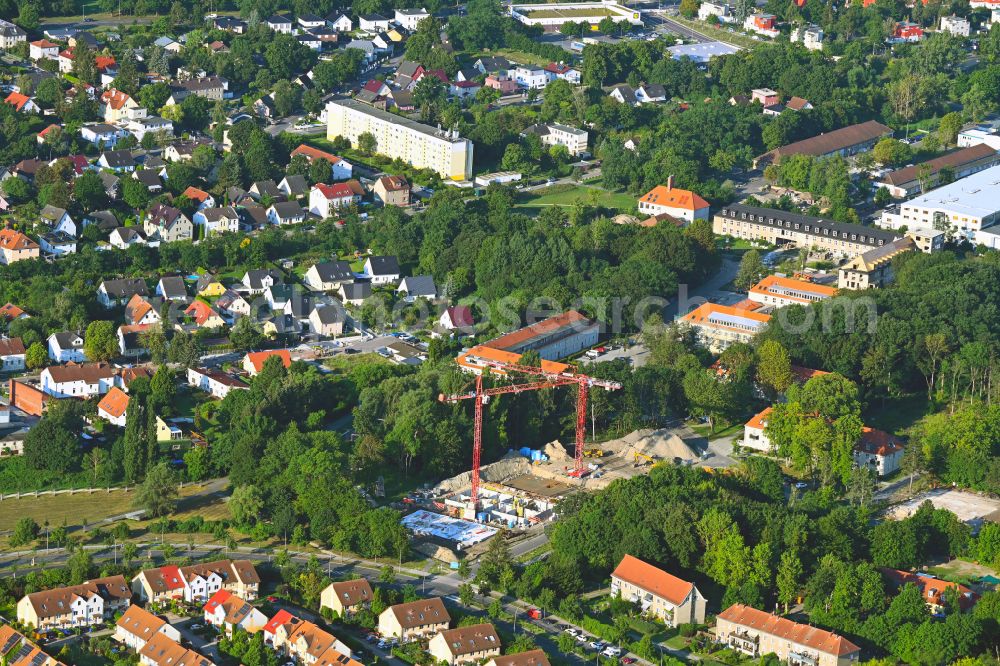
(550, 380)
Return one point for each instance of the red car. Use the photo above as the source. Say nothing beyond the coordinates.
(628, 660)
(272, 599)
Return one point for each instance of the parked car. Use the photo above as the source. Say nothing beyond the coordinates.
(581, 638)
(628, 660)
(612, 651)
(597, 645)
(571, 631)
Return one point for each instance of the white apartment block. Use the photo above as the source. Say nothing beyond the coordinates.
(811, 37)
(718, 326)
(419, 145)
(529, 77)
(956, 25)
(976, 135)
(556, 134)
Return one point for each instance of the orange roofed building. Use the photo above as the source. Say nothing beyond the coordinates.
(780, 291)
(553, 338)
(718, 326)
(658, 593)
(253, 362)
(754, 633)
(932, 589)
(15, 246)
(673, 201)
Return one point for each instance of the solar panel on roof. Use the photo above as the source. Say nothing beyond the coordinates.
(22, 653)
(39, 659)
(10, 643)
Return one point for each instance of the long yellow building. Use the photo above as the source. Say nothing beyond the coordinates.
(419, 145)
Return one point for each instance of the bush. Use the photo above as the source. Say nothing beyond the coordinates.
(687, 630)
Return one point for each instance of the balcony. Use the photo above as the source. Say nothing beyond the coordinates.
(743, 642)
(802, 659)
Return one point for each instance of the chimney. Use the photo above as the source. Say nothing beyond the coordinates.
(670, 182)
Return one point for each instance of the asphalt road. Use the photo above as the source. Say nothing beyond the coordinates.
(661, 23)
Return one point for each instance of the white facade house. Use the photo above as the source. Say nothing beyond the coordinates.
(373, 23)
(214, 381)
(137, 626)
(218, 220)
(382, 270)
(754, 436)
(879, 451)
(527, 76)
(341, 23)
(410, 18)
(325, 200)
(556, 134)
(810, 36)
(656, 592)
(722, 11)
(955, 25)
(12, 355)
(66, 347)
(77, 381)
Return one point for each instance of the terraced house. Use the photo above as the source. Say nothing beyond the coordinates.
(465, 645)
(417, 619)
(17, 650)
(755, 633)
(82, 605)
(197, 582)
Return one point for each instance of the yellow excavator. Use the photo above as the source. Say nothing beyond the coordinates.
(643, 459)
(593, 453)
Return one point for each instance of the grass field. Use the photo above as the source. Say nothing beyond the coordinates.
(559, 196)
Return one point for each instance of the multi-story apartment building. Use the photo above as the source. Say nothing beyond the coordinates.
(963, 162)
(718, 326)
(556, 134)
(553, 338)
(657, 592)
(419, 145)
(778, 291)
(873, 269)
(780, 227)
(755, 633)
(963, 208)
(82, 605)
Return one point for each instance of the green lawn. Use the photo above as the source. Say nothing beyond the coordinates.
(558, 195)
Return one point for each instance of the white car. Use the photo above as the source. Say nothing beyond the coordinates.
(612, 651)
(572, 632)
(581, 638)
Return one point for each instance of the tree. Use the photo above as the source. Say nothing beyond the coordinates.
(84, 63)
(89, 191)
(25, 531)
(891, 152)
(163, 391)
(245, 505)
(135, 194)
(100, 342)
(197, 463)
(134, 462)
(246, 334)
(689, 8)
(367, 143)
(36, 356)
(751, 270)
(789, 577)
(774, 368)
(158, 492)
(52, 445)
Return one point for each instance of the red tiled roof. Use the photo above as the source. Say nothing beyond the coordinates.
(257, 359)
(195, 194)
(335, 191)
(17, 100)
(116, 99)
(217, 600)
(549, 325)
(877, 442)
(114, 402)
(44, 44)
(801, 375)
(280, 618)
(674, 197)
(15, 240)
(803, 634)
(104, 62)
(10, 312)
(647, 577)
(11, 346)
(932, 589)
(200, 311)
(311, 154)
(759, 420)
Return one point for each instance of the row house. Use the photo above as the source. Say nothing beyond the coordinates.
(414, 620)
(229, 612)
(17, 650)
(82, 605)
(161, 650)
(346, 597)
(756, 633)
(465, 645)
(197, 582)
(137, 626)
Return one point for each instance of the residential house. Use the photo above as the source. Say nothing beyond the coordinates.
(11, 35)
(137, 626)
(103, 135)
(43, 49)
(218, 220)
(310, 644)
(15, 648)
(228, 612)
(328, 275)
(810, 36)
(392, 191)
(15, 246)
(22, 103)
(167, 44)
(230, 24)
(934, 590)
(325, 199)
(346, 597)
(279, 23)
(56, 244)
(501, 82)
(905, 31)
(845, 142)
(873, 269)
(209, 286)
(118, 106)
(161, 650)
(341, 169)
(355, 293)
(202, 198)
(556, 134)
(257, 280)
(373, 23)
(113, 406)
(656, 592)
(457, 318)
(150, 178)
(172, 288)
(266, 188)
(529, 77)
(183, 151)
(879, 451)
(119, 161)
(293, 186)
(66, 347)
(167, 432)
(411, 18)
(562, 71)
(167, 224)
(286, 212)
(84, 605)
(955, 26)
(756, 633)
(340, 22)
(253, 362)
(417, 286)
(762, 24)
(123, 238)
(310, 21)
(470, 644)
(529, 658)
(328, 320)
(130, 343)
(278, 295)
(197, 582)
(209, 87)
(674, 201)
(754, 432)
(112, 293)
(12, 355)
(492, 65)
(219, 384)
(798, 104)
(463, 89)
(382, 269)
(417, 619)
(142, 310)
(233, 304)
(203, 315)
(10, 312)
